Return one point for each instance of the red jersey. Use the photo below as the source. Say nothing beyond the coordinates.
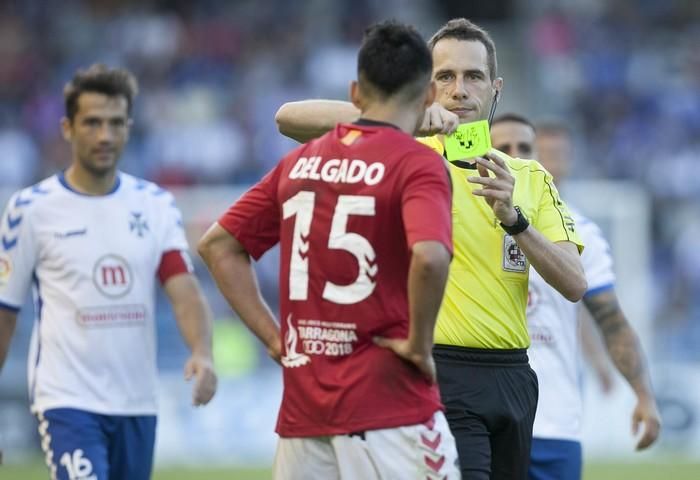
(346, 209)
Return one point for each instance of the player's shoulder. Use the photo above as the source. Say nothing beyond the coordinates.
(587, 228)
(34, 196)
(433, 143)
(149, 191)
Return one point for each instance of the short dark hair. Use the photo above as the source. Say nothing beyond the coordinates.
(512, 117)
(553, 127)
(394, 56)
(99, 78)
(463, 29)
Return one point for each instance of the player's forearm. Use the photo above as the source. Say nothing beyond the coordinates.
(236, 279)
(426, 285)
(621, 342)
(559, 264)
(8, 321)
(194, 320)
(309, 119)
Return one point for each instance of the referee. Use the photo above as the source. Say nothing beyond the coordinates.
(507, 215)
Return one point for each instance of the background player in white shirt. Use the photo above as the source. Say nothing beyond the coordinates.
(92, 242)
(553, 325)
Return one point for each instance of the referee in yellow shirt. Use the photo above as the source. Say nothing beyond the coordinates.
(507, 216)
(481, 337)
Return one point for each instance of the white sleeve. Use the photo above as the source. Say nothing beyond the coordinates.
(17, 253)
(173, 230)
(596, 258)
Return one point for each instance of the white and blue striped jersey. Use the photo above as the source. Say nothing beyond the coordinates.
(92, 262)
(554, 349)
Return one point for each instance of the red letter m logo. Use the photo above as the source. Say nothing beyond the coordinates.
(113, 275)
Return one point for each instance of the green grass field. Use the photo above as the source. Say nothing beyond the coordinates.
(631, 471)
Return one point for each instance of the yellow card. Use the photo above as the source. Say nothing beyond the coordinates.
(468, 141)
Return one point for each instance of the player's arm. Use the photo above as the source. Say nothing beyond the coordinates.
(17, 264)
(628, 357)
(230, 265)
(427, 218)
(194, 321)
(309, 119)
(594, 351)
(427, 276)
(8, 321)
(558, 263)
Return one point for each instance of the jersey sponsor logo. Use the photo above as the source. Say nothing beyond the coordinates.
(138, 224)
(5, 269)
(332, 339)
(513, 258)
(112, 276)
(540, 334)
(112, 316)
(337, 170)
(292, 358)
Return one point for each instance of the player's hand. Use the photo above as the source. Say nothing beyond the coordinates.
(201, 368)
(274, 350)
(647, 414)
(401, 347)
(497, 190)
(438, 120)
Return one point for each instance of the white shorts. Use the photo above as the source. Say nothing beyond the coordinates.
(402, 453)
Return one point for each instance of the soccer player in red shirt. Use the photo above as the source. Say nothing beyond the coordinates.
(362, 215)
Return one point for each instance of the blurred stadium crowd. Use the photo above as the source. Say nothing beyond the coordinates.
(625, 75)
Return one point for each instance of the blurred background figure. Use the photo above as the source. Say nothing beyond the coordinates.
(554, 329)
(624, 73)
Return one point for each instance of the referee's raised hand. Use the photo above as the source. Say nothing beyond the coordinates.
(497, 190)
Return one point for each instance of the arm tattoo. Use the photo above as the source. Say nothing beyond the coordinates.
(621, 341)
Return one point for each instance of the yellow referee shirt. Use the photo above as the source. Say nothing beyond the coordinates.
(486, 294)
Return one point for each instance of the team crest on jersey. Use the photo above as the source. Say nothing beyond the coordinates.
(292, 358)
(112, 276)
(138, 224)
(5, 269)
(513, 258)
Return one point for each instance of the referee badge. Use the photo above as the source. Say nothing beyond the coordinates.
(513, 258)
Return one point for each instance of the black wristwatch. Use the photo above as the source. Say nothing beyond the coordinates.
(519, 226)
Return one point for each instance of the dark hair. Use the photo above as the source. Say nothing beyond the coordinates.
(392, 57)
(553, 127)
(512, 117)
(99, 79)
(463, 29)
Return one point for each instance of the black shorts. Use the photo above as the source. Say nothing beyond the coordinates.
(490, 398)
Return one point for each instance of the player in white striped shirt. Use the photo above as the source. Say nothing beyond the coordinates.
(553, 324)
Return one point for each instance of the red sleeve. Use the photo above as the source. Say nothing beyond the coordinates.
(173, 262)
(255, 218)
(427, 200)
